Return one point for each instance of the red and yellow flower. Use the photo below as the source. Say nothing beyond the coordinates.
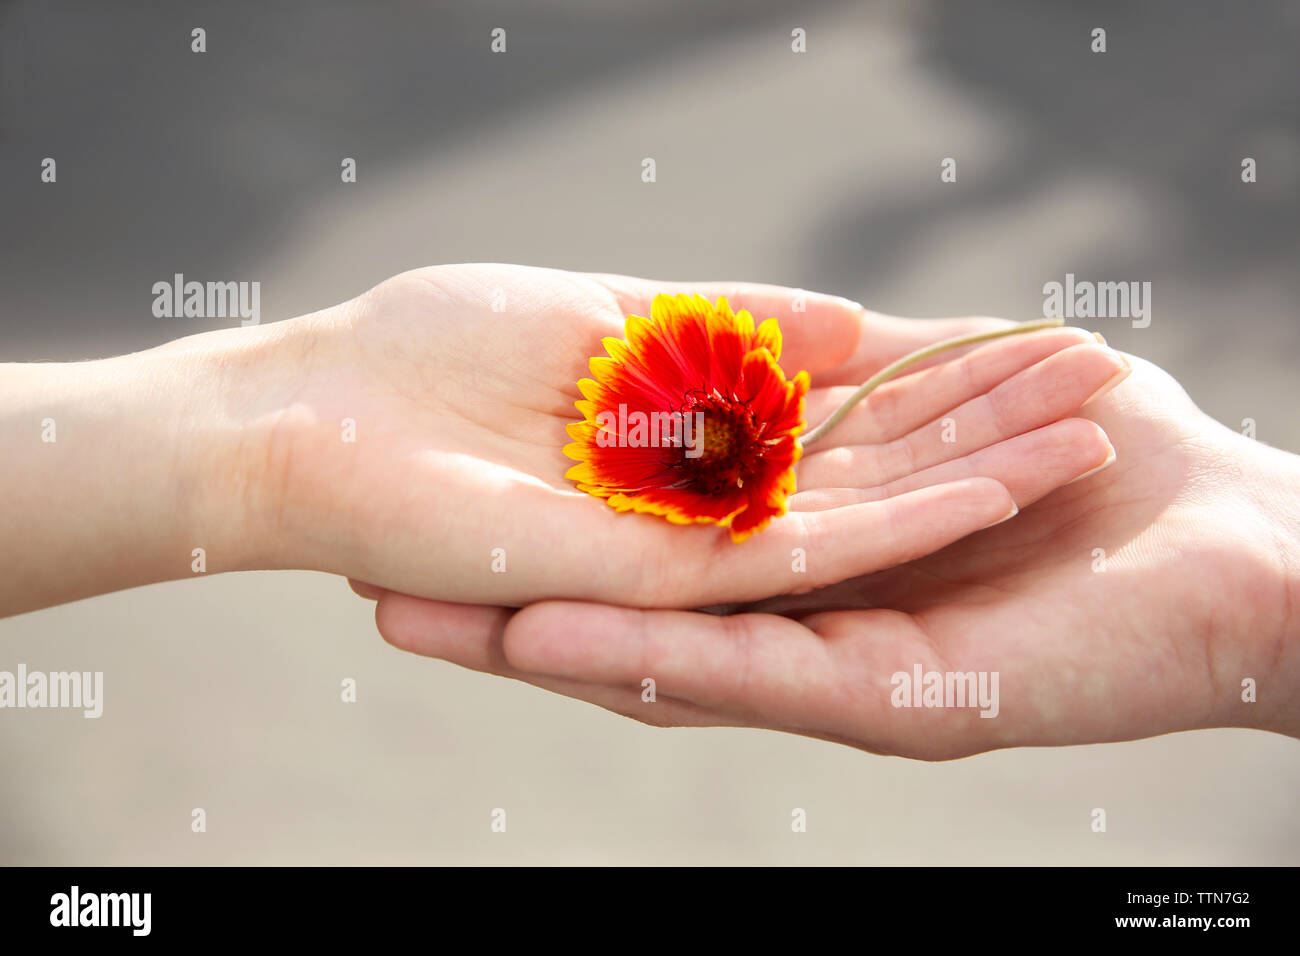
(691, 418)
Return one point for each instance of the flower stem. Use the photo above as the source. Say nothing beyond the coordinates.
(907, 361)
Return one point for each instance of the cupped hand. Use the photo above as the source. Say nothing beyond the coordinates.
(1159, 595)
(458, 382)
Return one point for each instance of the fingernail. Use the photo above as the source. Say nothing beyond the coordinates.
(1110, 459)
(1015, 510)
(1099, 337)
(1119, 375)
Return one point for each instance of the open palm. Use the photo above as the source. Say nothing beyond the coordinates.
(1104, 618)
(460, 380)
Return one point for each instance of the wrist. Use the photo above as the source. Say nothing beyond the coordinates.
(1252, 584)
(1278, 502)
(237, 400)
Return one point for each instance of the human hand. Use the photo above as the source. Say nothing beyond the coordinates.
(1131, 604)
(413, 438)
(462, 409)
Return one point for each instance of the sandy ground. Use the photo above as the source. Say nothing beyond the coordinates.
(818, 170)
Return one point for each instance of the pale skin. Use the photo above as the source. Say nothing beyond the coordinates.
(412, 436)
(233, 442)
(1158, 595)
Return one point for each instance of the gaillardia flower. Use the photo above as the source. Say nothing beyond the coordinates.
(691, 418)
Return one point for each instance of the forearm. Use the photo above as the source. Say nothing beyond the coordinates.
(118, 470)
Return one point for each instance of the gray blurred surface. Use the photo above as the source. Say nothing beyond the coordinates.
(816, 170)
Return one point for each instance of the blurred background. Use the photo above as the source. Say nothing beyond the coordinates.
(817, 169)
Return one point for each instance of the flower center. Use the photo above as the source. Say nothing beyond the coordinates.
(725, 448)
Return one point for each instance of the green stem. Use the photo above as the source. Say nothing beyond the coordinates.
(907, 361)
